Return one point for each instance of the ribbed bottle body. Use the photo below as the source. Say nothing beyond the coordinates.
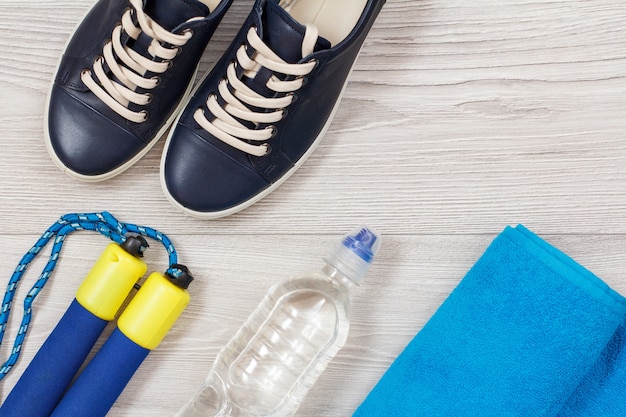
(280, 351)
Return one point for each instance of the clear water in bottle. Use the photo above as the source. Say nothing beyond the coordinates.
(273, 360)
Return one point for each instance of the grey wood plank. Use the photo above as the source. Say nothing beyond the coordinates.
(460, 118)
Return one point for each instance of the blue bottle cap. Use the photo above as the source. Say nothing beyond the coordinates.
(363, 242)
(353, 255)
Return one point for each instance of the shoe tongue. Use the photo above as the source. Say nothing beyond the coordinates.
(171, 13)
(284, 35)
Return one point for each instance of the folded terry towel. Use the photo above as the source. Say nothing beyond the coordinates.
(602, 393)
(527, 333)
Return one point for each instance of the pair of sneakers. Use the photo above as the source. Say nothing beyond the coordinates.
(126, 76)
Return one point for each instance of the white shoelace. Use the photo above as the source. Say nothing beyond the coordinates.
(238, 103)
(118, 96)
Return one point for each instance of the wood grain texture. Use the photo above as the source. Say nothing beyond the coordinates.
(459, 118)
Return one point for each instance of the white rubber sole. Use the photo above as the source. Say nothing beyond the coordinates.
(107, 175)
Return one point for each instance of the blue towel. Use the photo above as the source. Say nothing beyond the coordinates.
(527, 333)
(602, 392)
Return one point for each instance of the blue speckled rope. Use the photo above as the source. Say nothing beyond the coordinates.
(103, 223)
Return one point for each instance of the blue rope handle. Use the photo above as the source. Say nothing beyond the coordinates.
(103, 223)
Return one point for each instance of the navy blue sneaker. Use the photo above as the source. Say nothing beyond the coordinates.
(123, 78)
(266, 104)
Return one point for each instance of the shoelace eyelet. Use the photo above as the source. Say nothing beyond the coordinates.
(146, 115)
(149, 97)
(157, 79)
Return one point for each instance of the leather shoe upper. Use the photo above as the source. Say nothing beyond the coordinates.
(105, 110)
(261, 111)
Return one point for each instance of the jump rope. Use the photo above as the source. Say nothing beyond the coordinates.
(46, 388)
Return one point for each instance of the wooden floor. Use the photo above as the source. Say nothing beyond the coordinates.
(460, 118)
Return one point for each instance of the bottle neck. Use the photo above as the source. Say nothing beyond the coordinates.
(335, 275)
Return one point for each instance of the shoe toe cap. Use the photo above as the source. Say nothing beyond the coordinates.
(204, 180)
(83, 140)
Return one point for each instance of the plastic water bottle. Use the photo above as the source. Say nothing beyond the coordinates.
(270, 364)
